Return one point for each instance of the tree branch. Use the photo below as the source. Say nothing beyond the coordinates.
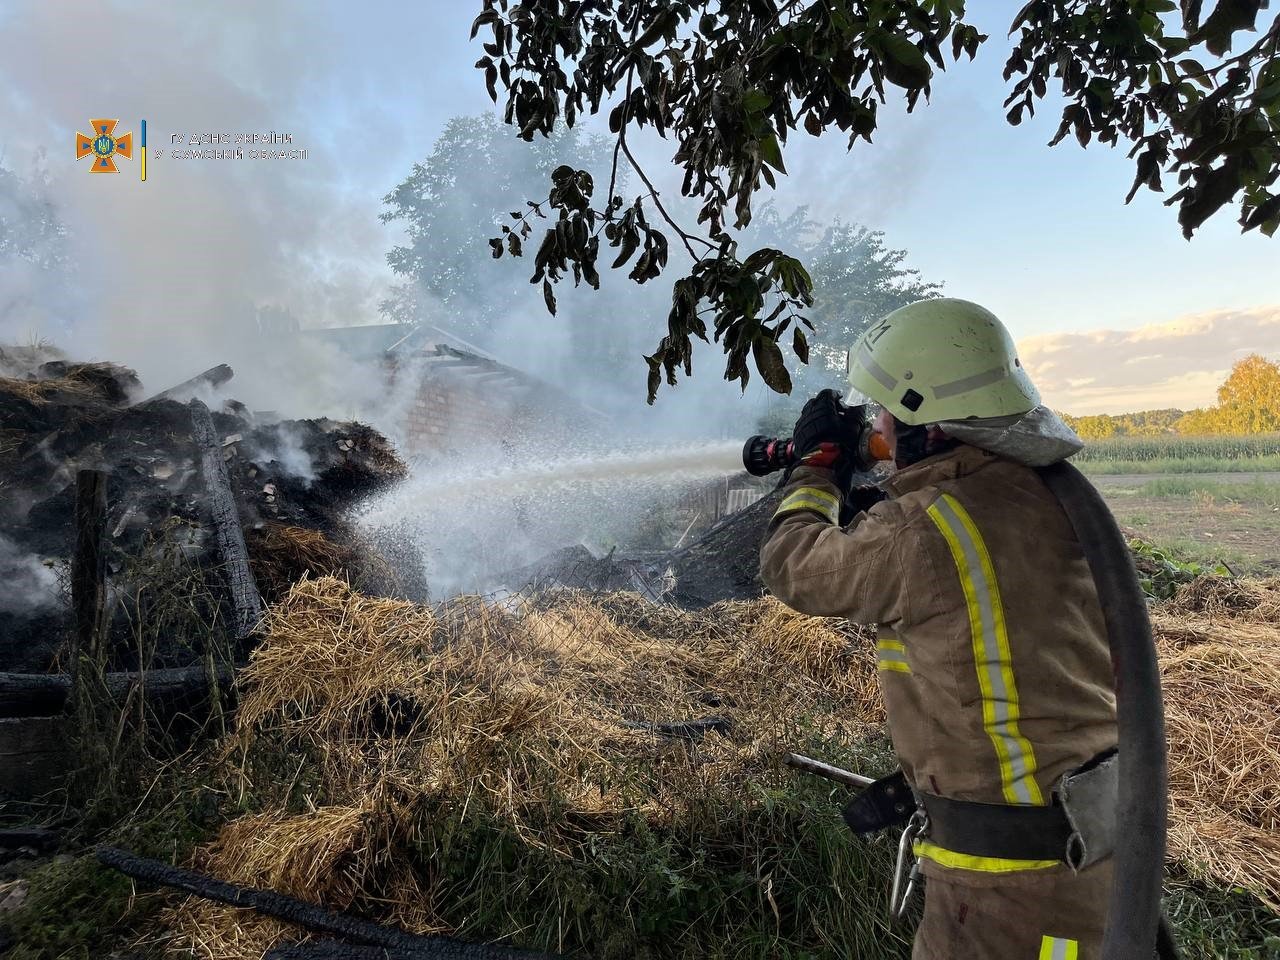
(653, 193)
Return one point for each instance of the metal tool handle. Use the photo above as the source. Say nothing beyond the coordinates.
(826, 771)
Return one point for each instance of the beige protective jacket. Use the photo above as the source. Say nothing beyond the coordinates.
(992, 651)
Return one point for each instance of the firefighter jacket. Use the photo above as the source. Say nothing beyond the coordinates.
(992, 651)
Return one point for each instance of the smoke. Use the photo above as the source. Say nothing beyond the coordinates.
(29, 585)
(214, 261)
(173, 271)
(290, 453)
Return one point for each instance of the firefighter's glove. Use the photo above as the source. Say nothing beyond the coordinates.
(820, 436)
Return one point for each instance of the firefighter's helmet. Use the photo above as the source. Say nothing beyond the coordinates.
(941, 359)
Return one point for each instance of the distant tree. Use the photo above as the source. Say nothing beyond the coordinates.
(1150, 423)
(1249, 399)
(1144, 423)
(1248, 402)
(1095, 427)
(478, 172)
(857, 279)
(1199, 422)
(730, 82)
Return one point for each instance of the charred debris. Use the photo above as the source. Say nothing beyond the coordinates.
(289, 483)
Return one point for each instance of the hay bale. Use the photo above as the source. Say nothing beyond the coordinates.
(538, 716)
(527, 729)
(82, 384)
(282, 554)
(1218, 596)
(1221, 678)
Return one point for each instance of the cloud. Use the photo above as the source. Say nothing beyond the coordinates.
(1179, 363)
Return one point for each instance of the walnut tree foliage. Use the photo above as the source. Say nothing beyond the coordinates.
(729, 83)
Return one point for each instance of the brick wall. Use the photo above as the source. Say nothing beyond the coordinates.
(450, 414)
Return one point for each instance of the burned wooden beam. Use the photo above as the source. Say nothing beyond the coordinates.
(88, 587)
(45, 694)
(213, 377)
(226, 521)
(307, 915)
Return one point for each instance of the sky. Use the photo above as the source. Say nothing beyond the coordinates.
(1113, 310)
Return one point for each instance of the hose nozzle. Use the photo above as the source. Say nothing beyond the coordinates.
(762, 455)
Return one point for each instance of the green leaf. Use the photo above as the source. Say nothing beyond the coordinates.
(549, 296)
(771, 153)
(800, 344)
(760, 259)
(903, 63)
(755, 101)
(487, 16)
(1022, 15)
(630, 241)
(769, 362)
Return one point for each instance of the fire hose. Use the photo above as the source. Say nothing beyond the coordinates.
(1134, 920)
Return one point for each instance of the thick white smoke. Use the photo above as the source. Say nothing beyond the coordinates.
(29, 585)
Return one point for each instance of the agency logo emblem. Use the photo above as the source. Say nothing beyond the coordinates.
(103, 145)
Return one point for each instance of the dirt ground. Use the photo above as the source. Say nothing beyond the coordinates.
(1209, 524)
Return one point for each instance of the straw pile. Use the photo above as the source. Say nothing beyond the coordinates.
(1219, 644)
(282, 554)
(536, 720)
(544, 713)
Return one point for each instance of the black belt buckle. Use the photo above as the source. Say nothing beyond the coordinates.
(886, 803)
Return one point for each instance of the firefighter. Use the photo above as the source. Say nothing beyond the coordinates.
(991, 645)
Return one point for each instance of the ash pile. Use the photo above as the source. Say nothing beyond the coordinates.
(292, 483)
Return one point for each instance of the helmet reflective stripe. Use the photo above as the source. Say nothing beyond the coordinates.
(880, 373)
(941, 359)
(963, 385)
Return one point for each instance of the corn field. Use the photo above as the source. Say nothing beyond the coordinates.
(1181, 448)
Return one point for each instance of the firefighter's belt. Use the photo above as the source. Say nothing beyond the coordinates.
(1078, 827)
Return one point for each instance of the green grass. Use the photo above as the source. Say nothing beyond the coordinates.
(1269, 463)
(1248, 491)
(1216, 924)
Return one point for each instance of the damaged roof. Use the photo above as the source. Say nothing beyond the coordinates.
(442, 351)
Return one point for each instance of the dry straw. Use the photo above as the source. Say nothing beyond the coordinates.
(282, 554)
(1219, 644)
(542, 711)
(546, 712)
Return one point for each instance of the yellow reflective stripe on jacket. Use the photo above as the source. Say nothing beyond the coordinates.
(892, 655)
(991, 655)
(965, 861)
(1059, 948)
(810, 498)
